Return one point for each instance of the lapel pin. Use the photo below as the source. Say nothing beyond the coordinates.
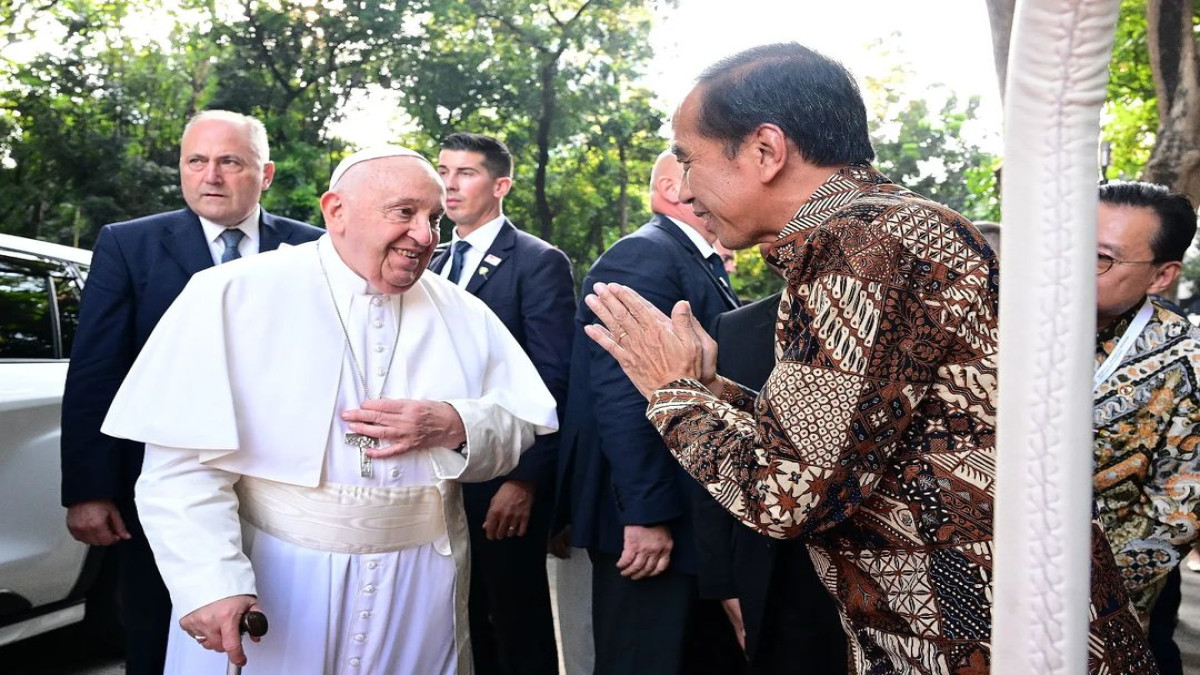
(491, 260)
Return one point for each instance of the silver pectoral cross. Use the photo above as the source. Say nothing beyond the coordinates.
(366, 467)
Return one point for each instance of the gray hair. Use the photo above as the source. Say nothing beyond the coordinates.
(258, 132)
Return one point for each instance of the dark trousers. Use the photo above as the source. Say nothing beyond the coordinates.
(799, 617)
(512, 627)
(1163, 619)
(145, 604)
(657, 626)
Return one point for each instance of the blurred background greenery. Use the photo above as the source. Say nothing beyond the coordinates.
(94, 101)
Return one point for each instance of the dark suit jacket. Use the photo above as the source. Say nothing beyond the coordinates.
(138, 268)
(616, 468)
(737, 562)
(532, 291)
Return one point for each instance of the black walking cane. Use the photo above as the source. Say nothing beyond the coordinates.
(253, 624)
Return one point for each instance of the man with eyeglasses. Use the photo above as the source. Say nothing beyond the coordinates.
(1147, 404)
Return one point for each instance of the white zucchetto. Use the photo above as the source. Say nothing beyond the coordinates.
(368, 154)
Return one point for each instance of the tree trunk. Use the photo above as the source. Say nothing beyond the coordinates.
(1175, 62)
(1000, 16)
(545, 216)
(623, 197)
(596, 238)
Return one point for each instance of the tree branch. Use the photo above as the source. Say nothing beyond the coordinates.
(264, 53)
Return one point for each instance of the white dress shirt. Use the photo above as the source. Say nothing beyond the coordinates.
(706, 249)
(248, 246)
(480, 240)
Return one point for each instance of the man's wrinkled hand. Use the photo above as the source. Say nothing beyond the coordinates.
(647, 551)
(650, 347)
(96, 522)
(215, 626)
(508, 512)
(403, 425)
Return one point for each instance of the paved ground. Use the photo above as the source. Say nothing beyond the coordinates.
(59, 653)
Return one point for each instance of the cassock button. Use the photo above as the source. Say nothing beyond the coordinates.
(372, 565)
(365, 614)
(377, 301)
(360, 638)
(378, 323)
(369, 588)
(380, 348)
(355, 661)
(395, 473)
(381, 372)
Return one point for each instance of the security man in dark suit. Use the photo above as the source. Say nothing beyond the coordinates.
(769, 588)
(138, 268)
(528, 284)
(630, 501)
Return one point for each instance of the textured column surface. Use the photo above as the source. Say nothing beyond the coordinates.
(1058, 68)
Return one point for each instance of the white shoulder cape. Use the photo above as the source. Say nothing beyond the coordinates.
(244, 368)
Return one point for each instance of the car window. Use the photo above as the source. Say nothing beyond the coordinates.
(26, 316)
(67, 293)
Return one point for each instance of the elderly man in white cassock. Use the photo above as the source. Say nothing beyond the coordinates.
(308, 416)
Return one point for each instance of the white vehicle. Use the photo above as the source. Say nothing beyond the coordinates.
(46, 577)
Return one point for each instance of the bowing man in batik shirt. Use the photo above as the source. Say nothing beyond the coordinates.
(873, 439)
(1147, 473)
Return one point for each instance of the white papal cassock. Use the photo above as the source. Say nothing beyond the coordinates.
(245, 376)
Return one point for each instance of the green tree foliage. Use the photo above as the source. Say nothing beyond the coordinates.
(294, 65)
(923, 143)
(89, 128)
(1130, 109)
(555, 81)
(87, 133)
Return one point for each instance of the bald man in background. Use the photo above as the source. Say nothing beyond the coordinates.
(630, 501)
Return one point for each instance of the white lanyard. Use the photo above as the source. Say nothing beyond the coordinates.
(1124, 344)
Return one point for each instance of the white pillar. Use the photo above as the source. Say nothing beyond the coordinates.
(1058, 69)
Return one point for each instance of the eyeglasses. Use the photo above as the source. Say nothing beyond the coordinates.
(1105, 263)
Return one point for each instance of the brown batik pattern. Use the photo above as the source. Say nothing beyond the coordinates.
(874, 437)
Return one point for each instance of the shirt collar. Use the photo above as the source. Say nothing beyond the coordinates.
(842, 187)
(1116, 328)
(342, 280)
(482, 237)
(701, 244)
(249, 227)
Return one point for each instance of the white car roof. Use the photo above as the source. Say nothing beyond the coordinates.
(46, 249)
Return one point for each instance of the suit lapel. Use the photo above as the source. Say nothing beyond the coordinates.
(440, 256)
(184, 242)
(270, 237)
(693, 254)
(726, 291)
(495, 256)
(271, 234)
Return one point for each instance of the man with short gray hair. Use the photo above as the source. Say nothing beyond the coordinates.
(138, 268)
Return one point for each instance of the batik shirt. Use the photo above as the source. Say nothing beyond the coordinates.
(874, 437)
(1147, 478)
